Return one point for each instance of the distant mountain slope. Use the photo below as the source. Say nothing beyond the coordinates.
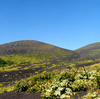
(90, 51)
(35, 47)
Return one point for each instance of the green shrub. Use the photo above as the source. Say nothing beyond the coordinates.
(2, 62)
(32, 84)
(22, 85)
(9, 62)
(70, 60)
(79, 85)
(98, 81)
(34, 88)
(61, 84)
(45, 76)
(68, 75)
(56, 89)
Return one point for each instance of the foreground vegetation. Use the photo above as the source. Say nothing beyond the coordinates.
(13, 62)
(63, 84)
(56, 84)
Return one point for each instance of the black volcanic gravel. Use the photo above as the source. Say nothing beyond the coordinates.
(20, 95)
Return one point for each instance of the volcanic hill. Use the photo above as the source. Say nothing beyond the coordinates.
(91, 51)
(33, 47)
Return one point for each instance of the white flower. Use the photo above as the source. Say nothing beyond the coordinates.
(48, 92)
(63, 83)
(57, 93)
(60, 88)
(68, 91)
(94, 94)
(63, 96)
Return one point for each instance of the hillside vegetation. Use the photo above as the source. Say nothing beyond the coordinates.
(91, 51)
(36, 49)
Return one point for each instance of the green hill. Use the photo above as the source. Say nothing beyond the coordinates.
(91, 51)
(36, 48)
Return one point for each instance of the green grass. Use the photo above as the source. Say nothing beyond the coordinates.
(1, 85)
(6, 89)
(19, 60)
(91, 51)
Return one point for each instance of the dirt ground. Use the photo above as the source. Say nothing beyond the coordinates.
(23, 95)
(20, 95)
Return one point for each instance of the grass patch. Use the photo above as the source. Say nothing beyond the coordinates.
(1, 85)
(6, 89)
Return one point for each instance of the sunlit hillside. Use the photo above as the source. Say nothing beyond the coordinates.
(36, 48)
(91, 51)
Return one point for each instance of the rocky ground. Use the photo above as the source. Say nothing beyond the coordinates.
(24, 95)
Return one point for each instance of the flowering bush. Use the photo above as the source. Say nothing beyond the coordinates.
(56, 89)
(78, 85)
(62, 84)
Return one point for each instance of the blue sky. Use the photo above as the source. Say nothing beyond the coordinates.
(69, 24)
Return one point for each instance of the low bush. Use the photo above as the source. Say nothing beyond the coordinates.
(56, 89)
(61, 84)
(2, 62)
(22, 85)
(34, 88)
